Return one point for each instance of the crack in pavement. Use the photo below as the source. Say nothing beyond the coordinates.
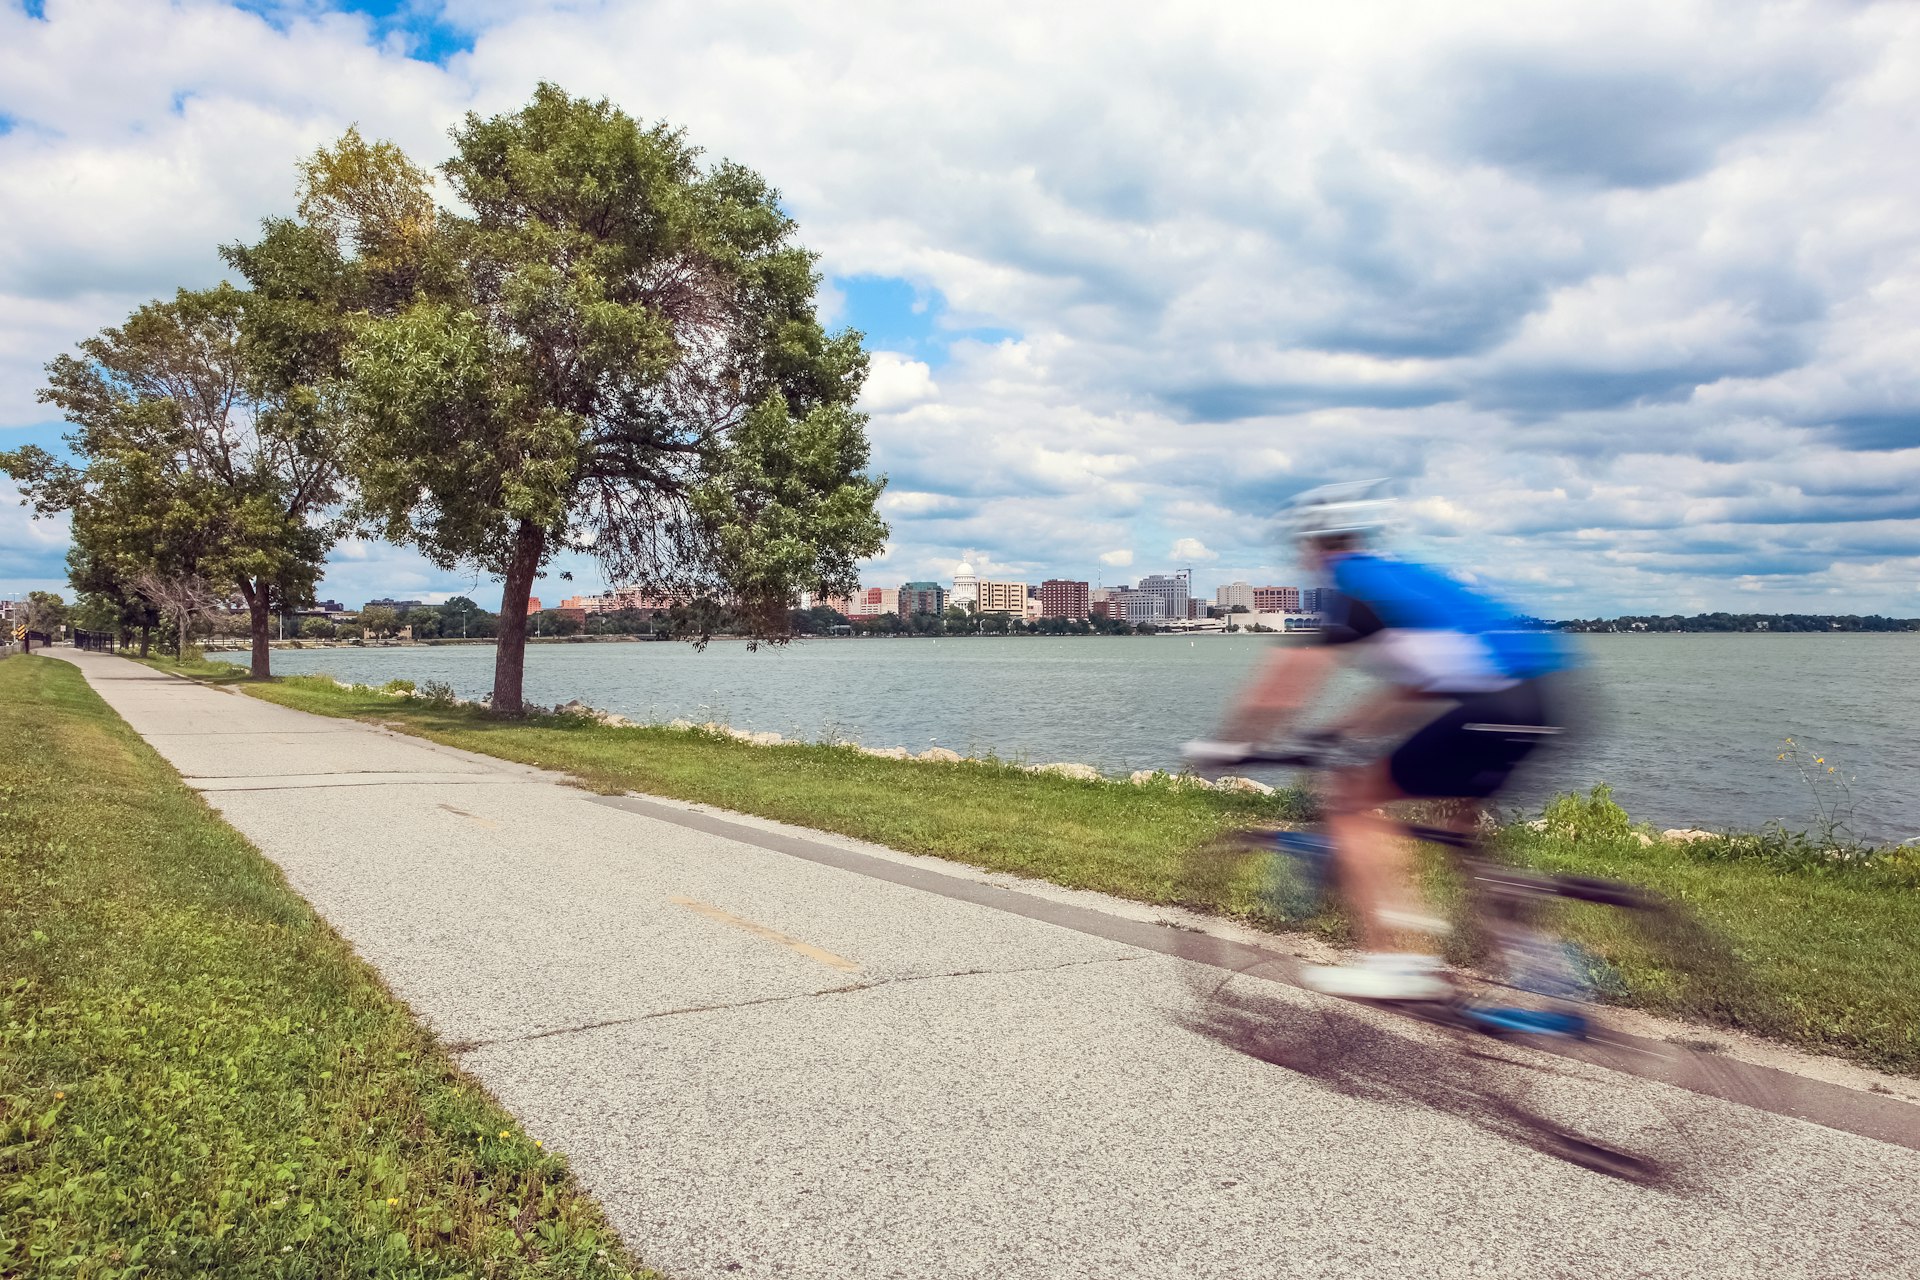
(468, 1046)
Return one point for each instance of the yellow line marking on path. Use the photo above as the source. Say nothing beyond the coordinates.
(488, 823)
(807, 949)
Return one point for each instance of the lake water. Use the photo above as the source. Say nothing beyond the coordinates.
(1685, 727)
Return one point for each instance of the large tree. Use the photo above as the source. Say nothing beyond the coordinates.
(199, 452)
(609, 348)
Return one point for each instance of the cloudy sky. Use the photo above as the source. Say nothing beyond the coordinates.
(1626, 293)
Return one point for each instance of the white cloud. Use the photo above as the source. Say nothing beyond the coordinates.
(895, 382)
(1119, 559)
(1626, 293)
(1190, 549)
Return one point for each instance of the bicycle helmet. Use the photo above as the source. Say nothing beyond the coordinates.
(1352, 509)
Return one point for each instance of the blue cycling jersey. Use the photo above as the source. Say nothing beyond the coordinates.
(1431, 633)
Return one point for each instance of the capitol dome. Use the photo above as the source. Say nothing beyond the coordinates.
(965, 570)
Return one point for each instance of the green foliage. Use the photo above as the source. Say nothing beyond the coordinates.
(379, 621)
(609, 348)
(397, 686)
(552, 622)
(437, 693)
(1593, 818)
(197, 455)
(197, 1077)
(1755, 622)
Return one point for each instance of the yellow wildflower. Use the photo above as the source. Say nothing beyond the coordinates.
(59, 1093)
(503, 1133)
(392, 1200)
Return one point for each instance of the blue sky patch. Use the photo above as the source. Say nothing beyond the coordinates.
(897, 315)
(422, 24)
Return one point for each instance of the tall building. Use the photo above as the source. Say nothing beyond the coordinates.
(1276, 599)
(1234, 593)
(1144, 606)
(998, 597)
(966, 586)
(922, 597)
(618, 598)
(1060, 598)
(871, 602)
(1312, 600)
(1170, 589)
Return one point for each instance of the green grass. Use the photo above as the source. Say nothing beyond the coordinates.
(196, 667)
(1808, 951)
(197, 1076)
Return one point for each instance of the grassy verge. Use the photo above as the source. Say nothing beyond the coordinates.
(196, 667)
(197, 1076)
(1821, 951)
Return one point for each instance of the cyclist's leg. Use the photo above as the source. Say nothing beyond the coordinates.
(1464, 753)
(1369, 852)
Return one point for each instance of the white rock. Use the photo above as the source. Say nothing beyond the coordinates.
(1643, 837)
(1190, 782)
(1082, 772)
(886, 753)
(613, 721)
(1146, 777)
(766, 739)
(1247, 785)
(1686, 835)
(939, 755)
(681, 726)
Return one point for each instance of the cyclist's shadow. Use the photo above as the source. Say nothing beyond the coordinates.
(1358, 1054)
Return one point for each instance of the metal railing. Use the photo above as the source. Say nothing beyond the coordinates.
(97, 641)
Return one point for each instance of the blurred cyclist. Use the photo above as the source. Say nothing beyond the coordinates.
(1453, 663)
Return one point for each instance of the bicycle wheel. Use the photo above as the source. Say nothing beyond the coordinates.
(1275, 879)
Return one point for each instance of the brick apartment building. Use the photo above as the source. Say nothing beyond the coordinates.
(1276, 599)
(1061, 598)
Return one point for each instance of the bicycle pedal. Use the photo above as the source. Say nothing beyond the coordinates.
(1528, 1021)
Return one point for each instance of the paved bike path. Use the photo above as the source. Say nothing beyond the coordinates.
(764, 1064)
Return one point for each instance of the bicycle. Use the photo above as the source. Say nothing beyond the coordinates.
(1532, 988)
(1504, 904)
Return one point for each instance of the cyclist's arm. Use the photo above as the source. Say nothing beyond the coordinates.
(1288, 681)
(1391, 709)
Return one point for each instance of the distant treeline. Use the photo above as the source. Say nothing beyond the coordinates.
(1745, 622)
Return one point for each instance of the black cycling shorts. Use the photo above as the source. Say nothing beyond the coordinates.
(1471, 750)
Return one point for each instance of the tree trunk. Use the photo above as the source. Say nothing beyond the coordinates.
(510, 658)
(186, 634)
(256, 596)
(146, 639)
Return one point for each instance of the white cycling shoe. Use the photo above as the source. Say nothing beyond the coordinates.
(1381, 975)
